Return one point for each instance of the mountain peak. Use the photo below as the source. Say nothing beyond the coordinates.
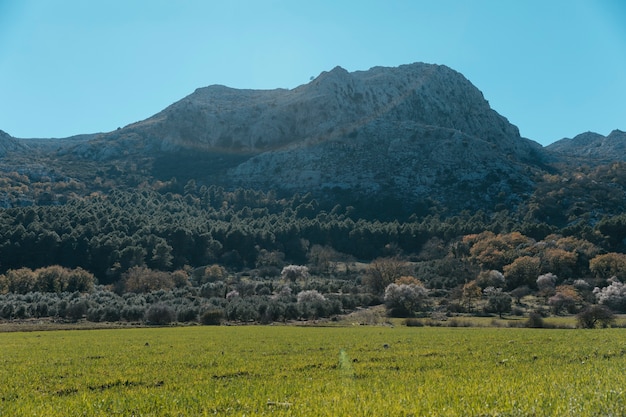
(593, 146)
(336, 75)
(390, 130)
(219, 117)
(339, 71)
(617, 134)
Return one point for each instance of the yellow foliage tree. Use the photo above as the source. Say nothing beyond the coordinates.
(609, 265)
(522, 271)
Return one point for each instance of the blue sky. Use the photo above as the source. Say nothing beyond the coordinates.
(554, 68)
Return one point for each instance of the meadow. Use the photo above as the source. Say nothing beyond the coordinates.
(313, 371)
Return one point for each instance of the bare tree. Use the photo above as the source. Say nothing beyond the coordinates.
(382, 272)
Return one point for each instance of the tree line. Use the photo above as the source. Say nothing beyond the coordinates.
(109, 234)
(252, 255)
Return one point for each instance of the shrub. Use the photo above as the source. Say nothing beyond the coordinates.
(186, 314)
(110, 313)
(213, 289)
(6, 312)
(94, 314)
(21, 311)
(133, 312)
(498, 301)
(595, 315)
(160, 314)
(535, 320)
(309, 296)
(412, 322)
(76, 310)
(212, 317)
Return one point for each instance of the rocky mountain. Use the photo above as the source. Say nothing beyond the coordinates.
(593, 147)
(9, 144)
(219, 118)
(410, 135)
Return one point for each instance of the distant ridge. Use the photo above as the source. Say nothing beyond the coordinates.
(593, 145)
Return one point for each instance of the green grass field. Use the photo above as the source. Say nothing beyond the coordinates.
(313, 371)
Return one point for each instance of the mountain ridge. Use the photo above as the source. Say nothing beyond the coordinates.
(593, 145)
(222, 118)
(408, 134)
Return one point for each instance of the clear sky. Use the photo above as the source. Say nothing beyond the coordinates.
(554, 68)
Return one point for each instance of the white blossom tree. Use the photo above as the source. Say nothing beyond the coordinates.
(612, 296)
(293, 273)
(405, 299)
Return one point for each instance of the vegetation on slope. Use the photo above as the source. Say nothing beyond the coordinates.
(204, 243)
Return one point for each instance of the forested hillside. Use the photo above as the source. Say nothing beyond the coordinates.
(395, 186)
(107, 234)
(209, 244)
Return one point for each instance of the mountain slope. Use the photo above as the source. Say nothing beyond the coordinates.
(409, 134)
(335, 103)
(9, 144)
(593, 147)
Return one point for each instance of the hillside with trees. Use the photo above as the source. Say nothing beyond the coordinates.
(395, 187)
(247, 255)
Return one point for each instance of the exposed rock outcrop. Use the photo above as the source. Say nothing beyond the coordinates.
(413, 132)
(333, 104)
(593, 147)
(9, 144)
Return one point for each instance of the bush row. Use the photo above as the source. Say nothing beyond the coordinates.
(178, 305)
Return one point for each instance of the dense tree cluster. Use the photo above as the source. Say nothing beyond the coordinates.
(107, 235)
(48, 279)
(254, 256)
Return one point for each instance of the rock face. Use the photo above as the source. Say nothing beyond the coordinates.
(593, 147)
(409, 133)
(9, 144)
(332, 105)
